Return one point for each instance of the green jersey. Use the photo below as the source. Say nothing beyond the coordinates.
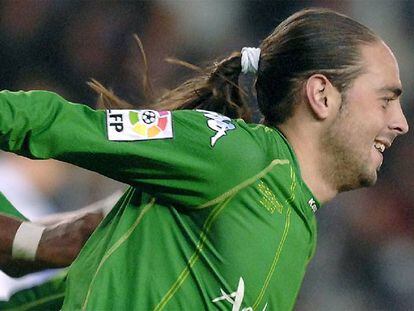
(8, 209)
(46, 296)
(217, 215)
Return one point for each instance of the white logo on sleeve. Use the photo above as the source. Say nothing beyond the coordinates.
(128, 125)
(235, 298)
(312, 204)
(218, 123)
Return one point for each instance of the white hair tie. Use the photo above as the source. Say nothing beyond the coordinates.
(250, 60)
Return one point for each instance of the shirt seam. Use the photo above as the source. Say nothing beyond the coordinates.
(224, 199)
(118, 243)
(243, 184)
(36, 303)
(279, 249)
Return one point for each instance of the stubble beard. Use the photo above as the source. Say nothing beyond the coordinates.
(346, 165)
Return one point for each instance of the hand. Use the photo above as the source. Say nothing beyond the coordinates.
(61, 243)
(58, 247)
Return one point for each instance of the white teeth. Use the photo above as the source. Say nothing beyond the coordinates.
(379, 146)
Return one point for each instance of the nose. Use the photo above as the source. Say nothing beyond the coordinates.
(399, 122)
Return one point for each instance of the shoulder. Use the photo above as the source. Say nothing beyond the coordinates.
(233, 142)
(215, 131)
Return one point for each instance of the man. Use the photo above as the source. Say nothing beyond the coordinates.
(220, 213)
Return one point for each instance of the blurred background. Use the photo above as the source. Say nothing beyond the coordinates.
(365, 255)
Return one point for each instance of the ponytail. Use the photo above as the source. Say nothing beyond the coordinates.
(215, 89)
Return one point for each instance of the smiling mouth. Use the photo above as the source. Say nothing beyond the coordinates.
(379, 146)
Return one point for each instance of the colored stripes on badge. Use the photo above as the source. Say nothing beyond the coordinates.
(129, 125)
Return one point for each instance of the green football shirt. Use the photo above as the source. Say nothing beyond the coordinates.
(217, 216)
(8, 209)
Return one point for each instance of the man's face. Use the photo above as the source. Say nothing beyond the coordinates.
(369, 120)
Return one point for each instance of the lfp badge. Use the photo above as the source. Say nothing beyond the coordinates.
(128, 125)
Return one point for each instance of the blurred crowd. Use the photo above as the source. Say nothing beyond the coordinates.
(365, 255)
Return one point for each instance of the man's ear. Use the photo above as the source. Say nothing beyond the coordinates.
(321, 96)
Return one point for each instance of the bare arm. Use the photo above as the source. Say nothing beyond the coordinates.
(61, 241)
(58, 246)
(8, 228)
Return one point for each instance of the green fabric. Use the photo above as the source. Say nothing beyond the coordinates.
(8, 209)
(215, 216)
(47, 296)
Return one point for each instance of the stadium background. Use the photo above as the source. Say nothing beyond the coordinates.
(365, 255)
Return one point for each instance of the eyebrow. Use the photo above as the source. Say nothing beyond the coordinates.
(397, 91)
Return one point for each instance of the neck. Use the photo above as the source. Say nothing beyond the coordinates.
(311, 162)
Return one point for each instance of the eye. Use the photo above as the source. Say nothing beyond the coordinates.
(386, 101)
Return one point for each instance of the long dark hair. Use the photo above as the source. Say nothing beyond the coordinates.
(310, 41)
